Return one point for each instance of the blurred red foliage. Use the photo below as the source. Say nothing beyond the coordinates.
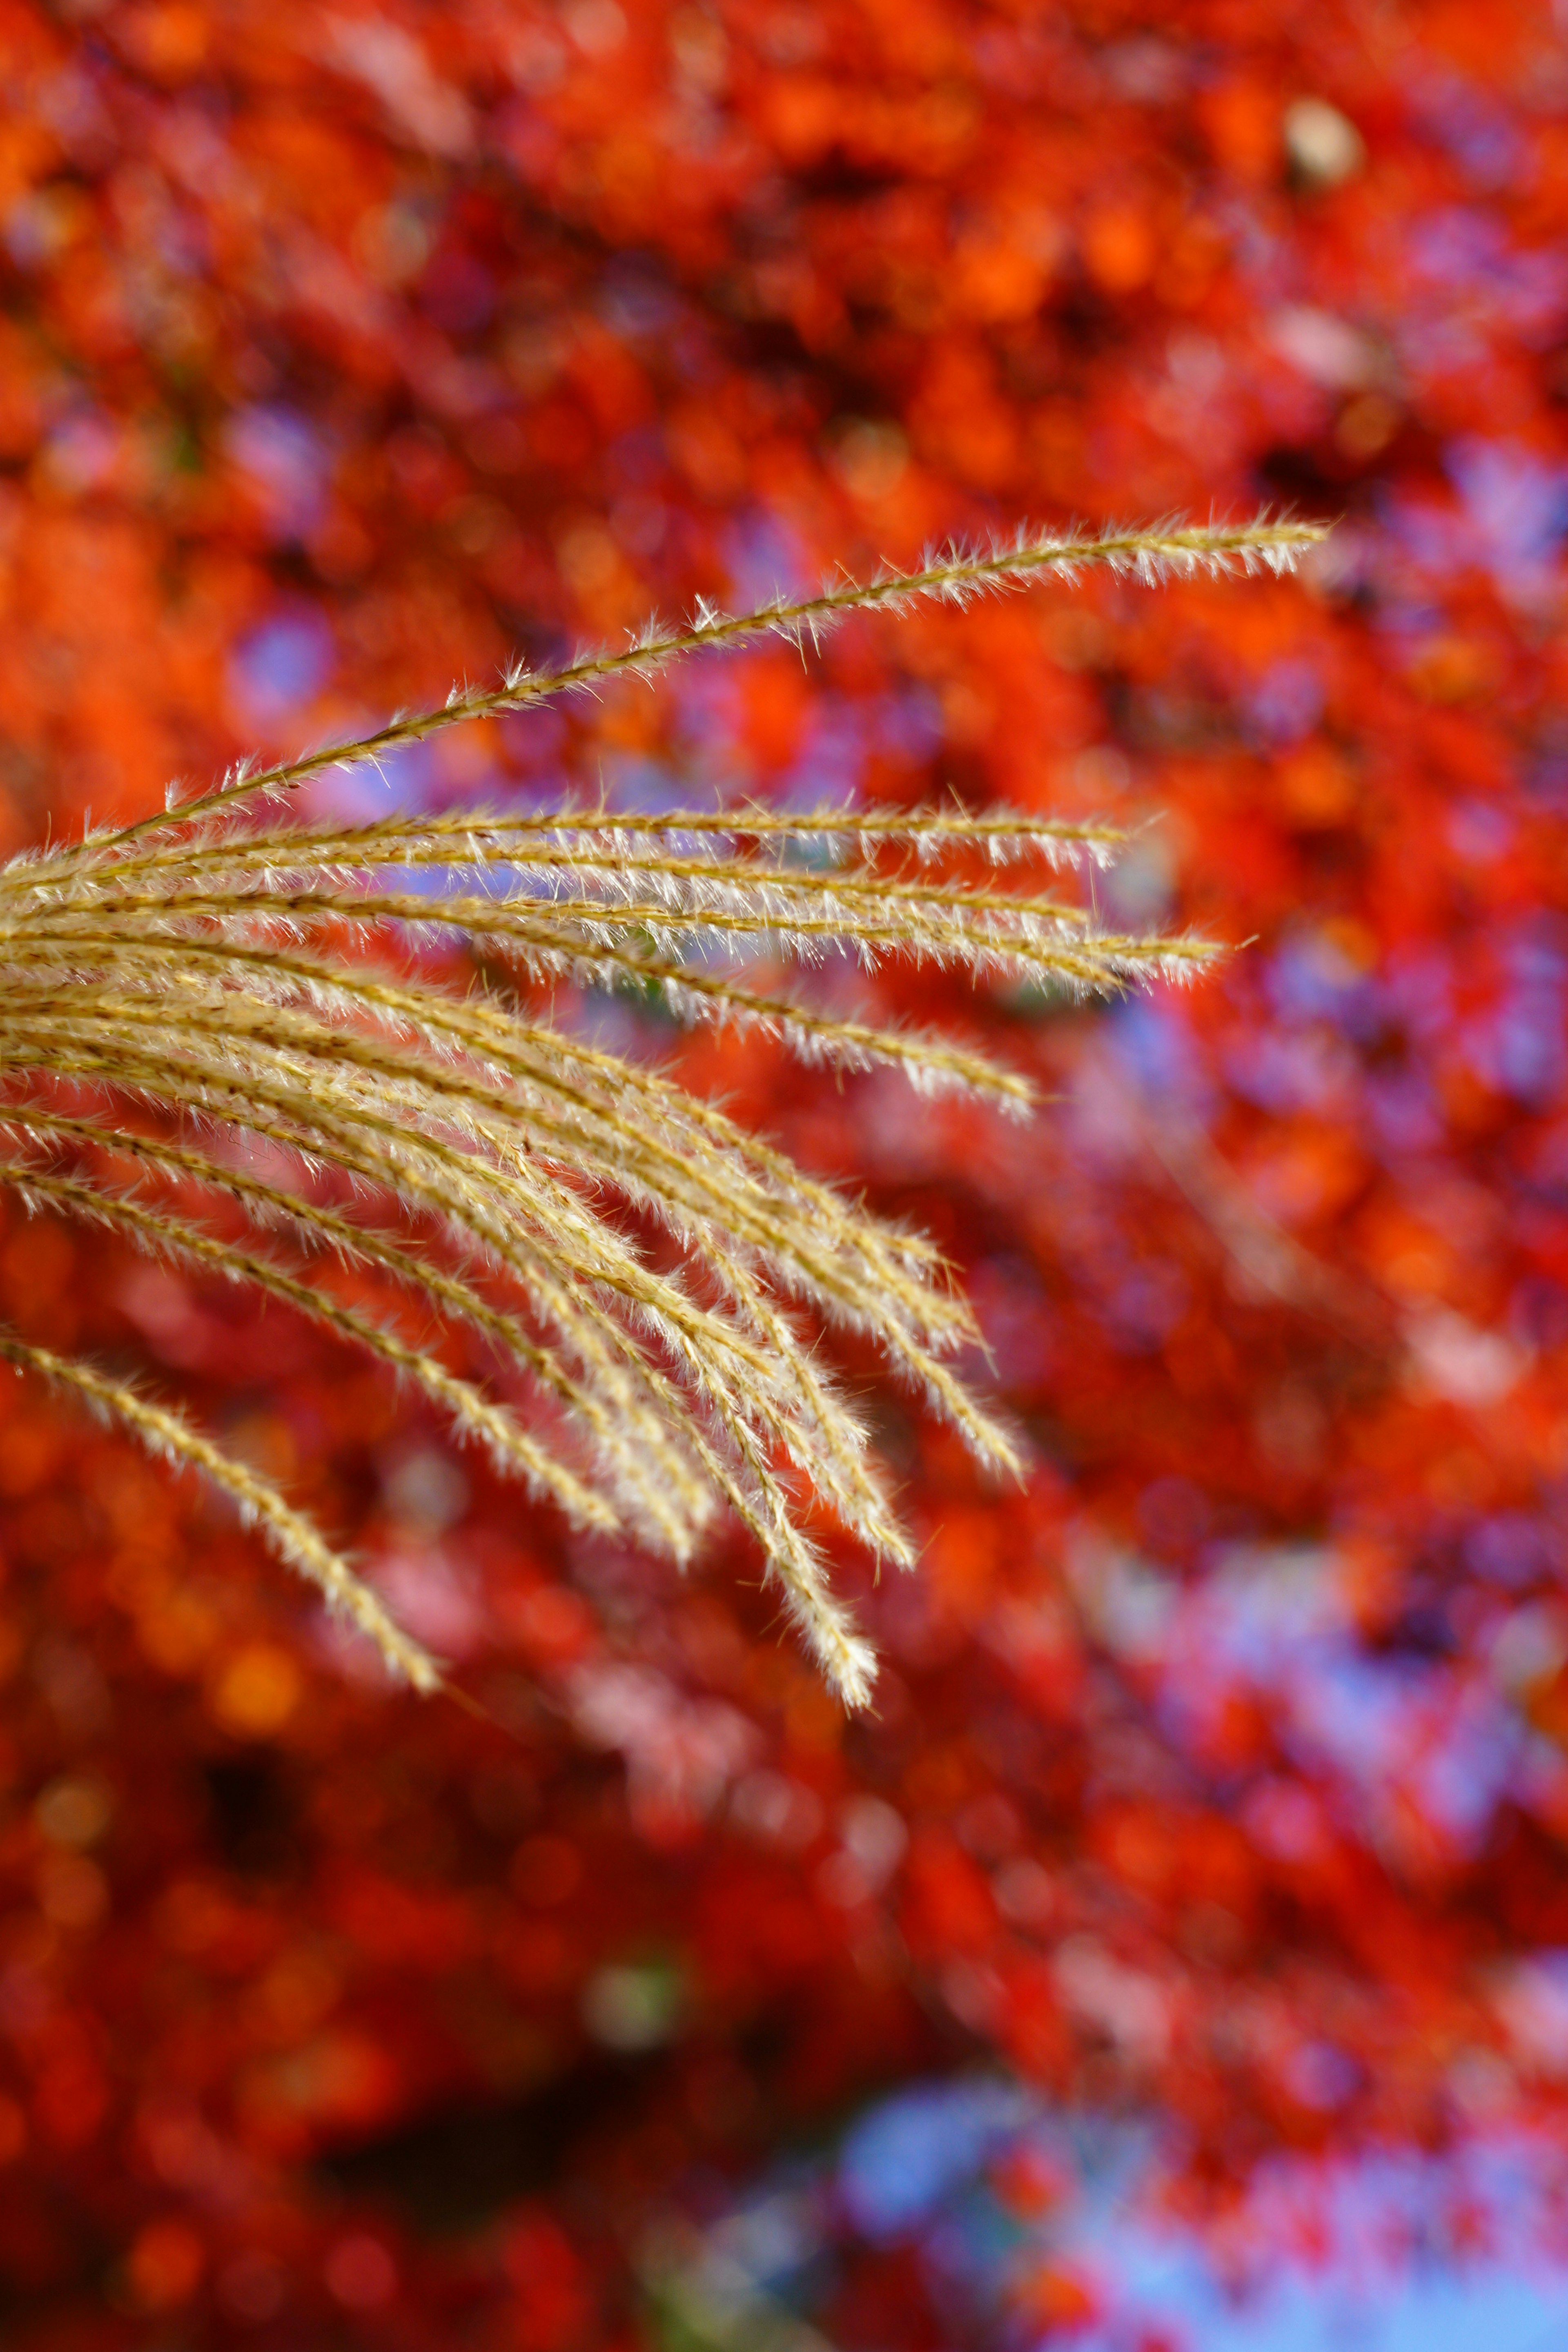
(1221, 1772)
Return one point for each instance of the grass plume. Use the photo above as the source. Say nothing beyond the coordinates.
(226, 981)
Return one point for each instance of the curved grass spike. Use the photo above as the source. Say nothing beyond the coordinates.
(234, 985)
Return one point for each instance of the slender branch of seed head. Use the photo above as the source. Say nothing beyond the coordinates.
(681, 881)
(930, 1064)
(542, 840)
(955, 576)
(166, 1434)
(1095, 960)
(847, 1661)
(839, 1468)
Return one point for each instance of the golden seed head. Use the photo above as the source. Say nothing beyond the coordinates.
(471, 1158)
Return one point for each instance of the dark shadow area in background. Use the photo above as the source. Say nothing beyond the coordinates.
(453, 2170)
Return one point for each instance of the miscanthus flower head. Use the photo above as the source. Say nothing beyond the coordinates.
(217, 1005)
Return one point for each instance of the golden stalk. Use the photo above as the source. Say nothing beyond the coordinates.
(956, 576)
(215, 975)
(167, 1432)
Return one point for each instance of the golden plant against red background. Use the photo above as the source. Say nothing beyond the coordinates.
(1215, 1774)
(179, 963)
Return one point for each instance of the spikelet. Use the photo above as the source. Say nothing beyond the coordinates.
(233, 985)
